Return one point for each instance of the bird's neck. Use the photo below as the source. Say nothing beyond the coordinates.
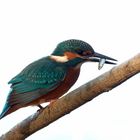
(59, 59)
(75, 62)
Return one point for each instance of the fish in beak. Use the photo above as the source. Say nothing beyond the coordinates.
(102, 59)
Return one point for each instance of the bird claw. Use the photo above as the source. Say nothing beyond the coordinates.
(40, 108)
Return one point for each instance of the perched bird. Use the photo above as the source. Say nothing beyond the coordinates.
(50, 77)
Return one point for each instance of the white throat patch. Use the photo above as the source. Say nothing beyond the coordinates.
(61, 59)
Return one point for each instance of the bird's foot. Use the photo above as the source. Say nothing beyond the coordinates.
(50, 104)
(40, 108)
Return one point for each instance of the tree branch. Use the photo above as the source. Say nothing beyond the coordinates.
(74, 99)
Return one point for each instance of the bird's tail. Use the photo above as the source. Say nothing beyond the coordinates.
(5, 110)
(8, 109)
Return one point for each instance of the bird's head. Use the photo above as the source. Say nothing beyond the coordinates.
(73, 49)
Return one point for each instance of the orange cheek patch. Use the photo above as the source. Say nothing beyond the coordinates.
(71, 55)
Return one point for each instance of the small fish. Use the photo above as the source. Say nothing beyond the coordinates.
(101, 63)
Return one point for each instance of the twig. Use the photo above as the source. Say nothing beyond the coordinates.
(74, 99)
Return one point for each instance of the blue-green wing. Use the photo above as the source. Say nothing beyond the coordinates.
(33, 82)
(42, 74)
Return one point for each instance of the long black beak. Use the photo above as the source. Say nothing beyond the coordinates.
(98, 55)
(102, 59)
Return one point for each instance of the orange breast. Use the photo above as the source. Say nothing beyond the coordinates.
(69, 80)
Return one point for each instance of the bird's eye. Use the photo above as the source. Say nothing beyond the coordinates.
(80, 52)
(84, 53)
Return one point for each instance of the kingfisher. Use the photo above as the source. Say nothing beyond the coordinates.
(50, 77)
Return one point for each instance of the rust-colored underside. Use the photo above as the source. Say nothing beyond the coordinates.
(69, 80)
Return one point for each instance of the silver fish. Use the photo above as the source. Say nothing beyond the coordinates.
(101, 63)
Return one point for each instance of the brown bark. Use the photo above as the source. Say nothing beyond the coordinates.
(74, 99)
